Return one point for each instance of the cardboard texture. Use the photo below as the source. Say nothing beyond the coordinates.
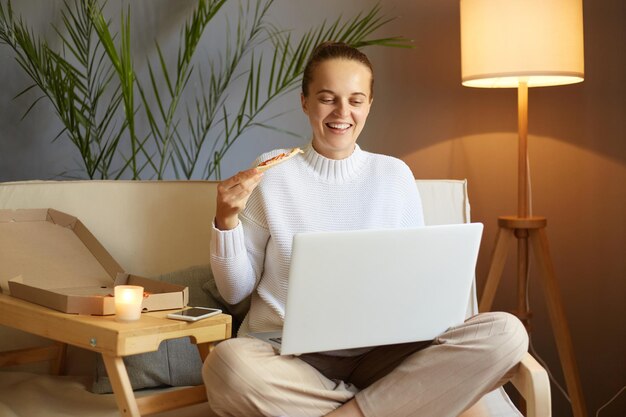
(50, 258)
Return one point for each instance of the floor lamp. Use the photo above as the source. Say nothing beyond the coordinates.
(521, 44)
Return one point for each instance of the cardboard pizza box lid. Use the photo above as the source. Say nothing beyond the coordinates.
(50, 258)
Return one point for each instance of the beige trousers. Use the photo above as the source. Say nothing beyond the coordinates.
(245, 377)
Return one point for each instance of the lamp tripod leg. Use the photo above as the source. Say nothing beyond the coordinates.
(531, 232)
(563, 339)
(498, 259)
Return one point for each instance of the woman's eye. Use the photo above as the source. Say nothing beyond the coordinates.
(326, 100)
(356, 103)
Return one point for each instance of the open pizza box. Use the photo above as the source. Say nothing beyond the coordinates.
(50, 258)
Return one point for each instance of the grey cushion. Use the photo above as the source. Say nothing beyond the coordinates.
(177, 362)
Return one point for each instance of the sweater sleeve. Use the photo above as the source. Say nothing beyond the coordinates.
(237, 258)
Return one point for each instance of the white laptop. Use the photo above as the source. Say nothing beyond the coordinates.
(365, 288)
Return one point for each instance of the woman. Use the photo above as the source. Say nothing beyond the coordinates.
(335, 185)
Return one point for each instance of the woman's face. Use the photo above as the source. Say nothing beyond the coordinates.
(338, 103)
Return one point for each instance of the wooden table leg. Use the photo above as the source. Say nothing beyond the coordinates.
(122, 389)
(57, 365)
(204, 349)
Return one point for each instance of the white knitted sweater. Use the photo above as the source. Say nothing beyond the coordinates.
(307, 193)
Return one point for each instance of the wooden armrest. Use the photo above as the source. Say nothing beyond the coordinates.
(532, 382)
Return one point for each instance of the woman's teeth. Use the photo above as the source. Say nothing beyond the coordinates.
(340, 126)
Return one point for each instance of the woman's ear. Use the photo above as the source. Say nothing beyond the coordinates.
(303, 103)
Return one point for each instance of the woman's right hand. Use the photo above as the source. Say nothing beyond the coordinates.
(232, 196)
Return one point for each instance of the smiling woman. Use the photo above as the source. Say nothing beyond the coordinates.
(334, 185)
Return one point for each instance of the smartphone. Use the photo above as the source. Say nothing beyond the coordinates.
(194, 313)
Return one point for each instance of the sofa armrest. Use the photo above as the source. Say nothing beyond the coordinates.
(532, 382)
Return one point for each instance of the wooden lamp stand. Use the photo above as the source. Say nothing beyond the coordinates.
(527, 230)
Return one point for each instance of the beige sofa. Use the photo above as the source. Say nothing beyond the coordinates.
(152, 228)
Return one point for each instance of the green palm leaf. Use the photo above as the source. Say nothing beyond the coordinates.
(91, 83)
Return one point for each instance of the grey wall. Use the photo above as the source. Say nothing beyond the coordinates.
(423, 115)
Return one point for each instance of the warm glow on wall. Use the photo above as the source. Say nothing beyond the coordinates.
(504, 42)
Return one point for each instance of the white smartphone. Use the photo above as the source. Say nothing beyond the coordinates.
(194, 313)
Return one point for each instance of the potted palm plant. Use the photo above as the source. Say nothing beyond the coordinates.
(93, 87)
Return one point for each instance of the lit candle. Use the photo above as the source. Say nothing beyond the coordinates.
(128, 300)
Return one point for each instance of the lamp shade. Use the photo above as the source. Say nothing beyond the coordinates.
(505, 42)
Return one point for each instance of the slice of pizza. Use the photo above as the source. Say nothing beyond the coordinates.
(278, 159)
